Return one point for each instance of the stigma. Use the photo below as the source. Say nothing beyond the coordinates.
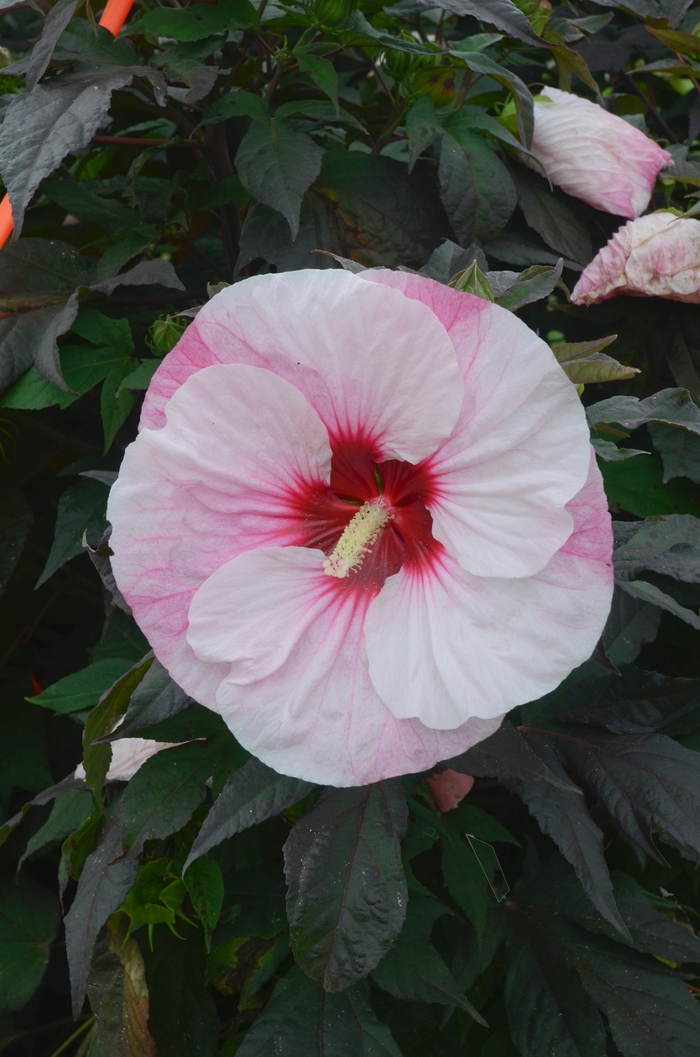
(357, 538)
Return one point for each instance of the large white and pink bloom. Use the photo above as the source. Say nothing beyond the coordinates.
(593, 155)
(655, 256)
(362, 520)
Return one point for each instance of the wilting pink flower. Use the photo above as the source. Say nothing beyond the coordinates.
(449, 788)
(362, 520)
(655, 256)
(594, 155)
(127, 756)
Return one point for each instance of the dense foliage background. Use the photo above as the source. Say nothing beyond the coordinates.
(552, 914)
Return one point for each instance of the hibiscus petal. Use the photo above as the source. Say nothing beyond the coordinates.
(368, 362)
(520, 450)
(313, 712)
(222, 476)
(445, 645)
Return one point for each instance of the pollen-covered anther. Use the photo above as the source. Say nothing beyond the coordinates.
(357, 538)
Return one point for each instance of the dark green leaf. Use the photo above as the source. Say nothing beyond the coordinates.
(301, 1020)
(636, 702)
(564, 817)
(277, 165)
(671, 407)
(679, 450)
(155, 699)
(192, 23)
(92, 208)
(252, 794)
(506, 754)
(29, 920)
(145, 273)
(475, 186)
(644, 780)
(56, 21)
(646, 592)
(631, 624)
(44, 125)
(205, 886)
(500, 13)
(668, 545)
(414, 970)
(106, 878)
(80, 509)
(28, 338)
(15, 521)
(183, 1018)
(552, 218)
(347, 890)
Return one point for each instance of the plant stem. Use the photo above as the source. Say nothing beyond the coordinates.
(76, 1034)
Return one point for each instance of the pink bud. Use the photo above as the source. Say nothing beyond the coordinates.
(449, 788)
(594, 155)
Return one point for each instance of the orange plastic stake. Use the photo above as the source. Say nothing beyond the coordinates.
(6, 224)
(113, 18)
(115, 14)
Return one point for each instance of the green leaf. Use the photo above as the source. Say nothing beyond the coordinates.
(97, 758)
(301, 1020)
(637, 486)
(205, 886)
(82, 367)
(192, 23)
(67, 814)
(422, 126)
(347, 895)
(82, 690)
(277, 165)
(503, 14)
(413, 970)
(16, 519)
(29, 920)
(251, 795)
(237, 104)
(81, 509)
(164, 792)
(552, 217)
(531, 285)
(140, 378)
(475, 186)
(116, 401)
(92, 208)
(596, 369)
(31, 338)
(322, 72)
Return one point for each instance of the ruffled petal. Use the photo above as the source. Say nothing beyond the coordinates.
(312, 711)
(444, 645)
(223, 476)
(520, 450)
(371, 365)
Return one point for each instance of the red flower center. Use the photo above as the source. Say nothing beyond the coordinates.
(358, 477)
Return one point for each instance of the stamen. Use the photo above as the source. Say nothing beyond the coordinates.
(357, 539)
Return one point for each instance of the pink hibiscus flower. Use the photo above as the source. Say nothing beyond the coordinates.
(655, 256)
(594, 155)
(362, 520)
